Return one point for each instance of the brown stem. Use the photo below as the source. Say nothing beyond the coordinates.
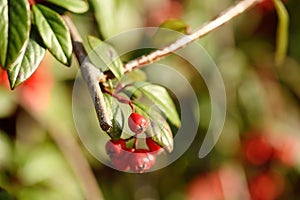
(208, 27)
(91, 76)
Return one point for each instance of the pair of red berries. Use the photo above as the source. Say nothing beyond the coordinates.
(136, 160)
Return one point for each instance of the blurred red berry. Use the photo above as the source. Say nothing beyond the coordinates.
(137, 123)
(35, 92)
(114, 148)
(164, 11)
(257, 149)
(266, 6)
(4, 78)
(266, 186)
(287, 150)
(31, 2)
(153, 146)
(205, 187)
(121, 162)
(141, 160)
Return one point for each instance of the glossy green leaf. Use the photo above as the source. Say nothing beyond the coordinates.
(76, 6)
(54, 33)
(21, 70)
(18, 31)
(116, 116)
(158, 129)
(104, 55)
(161, 98)
(282, 32)
(3, 30)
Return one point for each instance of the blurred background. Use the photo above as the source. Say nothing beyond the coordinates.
(257, 156)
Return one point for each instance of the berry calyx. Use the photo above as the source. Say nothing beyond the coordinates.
(141, 160)
(137, 123)
(153, 146)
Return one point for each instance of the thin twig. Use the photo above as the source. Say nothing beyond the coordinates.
(208, 27)
(91, 76)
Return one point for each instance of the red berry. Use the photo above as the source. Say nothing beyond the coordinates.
(257, 150)
(141, 160)
(265, 186)
(121, 162)
(287, 150)
(137, 123)
(153, 146)
(114, 148)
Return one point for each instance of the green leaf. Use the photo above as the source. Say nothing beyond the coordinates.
(116, 116)
(105, 54)
(105, 13)
(54, 32)
(18, 31)
(3, 30)
(21, 70)
(282, 32)
(158, 130)
(161, 98)
(76, 6)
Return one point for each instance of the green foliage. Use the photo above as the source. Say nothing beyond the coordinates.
(54, 33)
(159, 97)
(21, 71)
(105, 54)
(116, 116)
(76, 6)
(282, 32)
(15, 30)
(158, 129)
(4, 195)
(21, 54)
(3, 30)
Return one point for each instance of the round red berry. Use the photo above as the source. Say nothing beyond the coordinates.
(114, 148)
(121, 162)
(153, 146)
(141, 160)
(258, 150)
(137, 123)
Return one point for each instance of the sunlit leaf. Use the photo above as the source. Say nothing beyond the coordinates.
(158, 130)
(116, 116)
(76, 6)
(18, 31)
(3, 30)
(282, 32)
(104, 54)
(161, 98)
(54, 32)
(21, 71)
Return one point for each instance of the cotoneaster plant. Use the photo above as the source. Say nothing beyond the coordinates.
(29, 28)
